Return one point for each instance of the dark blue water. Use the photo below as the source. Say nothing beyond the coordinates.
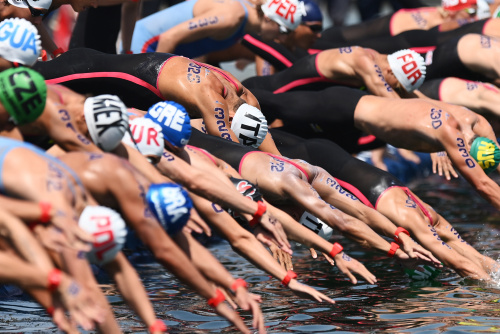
(447, 305)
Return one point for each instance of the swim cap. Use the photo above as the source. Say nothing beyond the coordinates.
(107, 120)
(170, 204)
(312, 12)
(287, 13)
(316, 225)
(43, 4)
(173, 120)
(250, 125)
(19, 41)
(109, 231)
(23, 93)
(408, 67)
(454, 5)
(147, 135)
(486, 153)
(483, 10)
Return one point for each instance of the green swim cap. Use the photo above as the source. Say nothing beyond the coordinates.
(486, 153)
(23, 93)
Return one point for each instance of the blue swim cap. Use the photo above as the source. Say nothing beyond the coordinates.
(313, 13)
(170, 204)
(174, 121)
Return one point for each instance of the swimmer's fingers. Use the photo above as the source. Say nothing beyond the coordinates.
(196, 220)
(347, 265)
(313, 253)
(287, 258)
(305, 291)
(229, 299)
(329, 259)
(233, 317)
(273, 226)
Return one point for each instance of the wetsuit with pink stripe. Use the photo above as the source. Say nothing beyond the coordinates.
(302, 75)
(408, 39)
(133, 78)
(364, 181)
(327, 113)
(274, 53)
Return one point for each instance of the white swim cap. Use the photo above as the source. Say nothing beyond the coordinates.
(43, 4)
(19, 41)
(109, 231)
(408, 67)
(250, 125)
(287, 13)
(483, 10)
(147, 135)
(316, 225)
(107, 120)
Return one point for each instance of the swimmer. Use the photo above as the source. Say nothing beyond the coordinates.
(193, 29)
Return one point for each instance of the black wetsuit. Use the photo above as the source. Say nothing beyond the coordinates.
(447, 63)
(361, 179)
(274, 53)
(355, 175)
(327, 113)
(408, 39)
(432, 88)
(133, 78)
(303, 75)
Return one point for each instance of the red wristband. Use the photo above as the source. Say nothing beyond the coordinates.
(394, 248)
(337, 248)
(45, 207)
(44, 55)
(398, 231)
(289, 276)
(158, 326)
(261, 209)
(129, 52)
(219, 298)
(50, 310)
(239, 283)
(57, 52)
(54, 278)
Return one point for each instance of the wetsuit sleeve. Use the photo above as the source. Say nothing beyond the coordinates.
(275, 54)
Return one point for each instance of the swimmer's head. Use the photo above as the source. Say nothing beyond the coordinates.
(148, 138)
(170, 204)
(19, 41)
(174, 122)
(286, 13)
(23, 94)
(250, 125)
(408, 67)
(486, 152)
(109, 232)
(312, 12)
(107, 120)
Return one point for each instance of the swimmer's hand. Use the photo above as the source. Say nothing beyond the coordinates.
(442, 165)
(76, 299)
(197, 224)
(224, 310)
(305, 291)
(77, 238)
(275, 230)
(415, 251)
(346, 264)
(283, 258)
(250, 302)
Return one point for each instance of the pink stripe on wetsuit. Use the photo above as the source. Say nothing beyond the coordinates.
(204, 152)
(416, 200)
